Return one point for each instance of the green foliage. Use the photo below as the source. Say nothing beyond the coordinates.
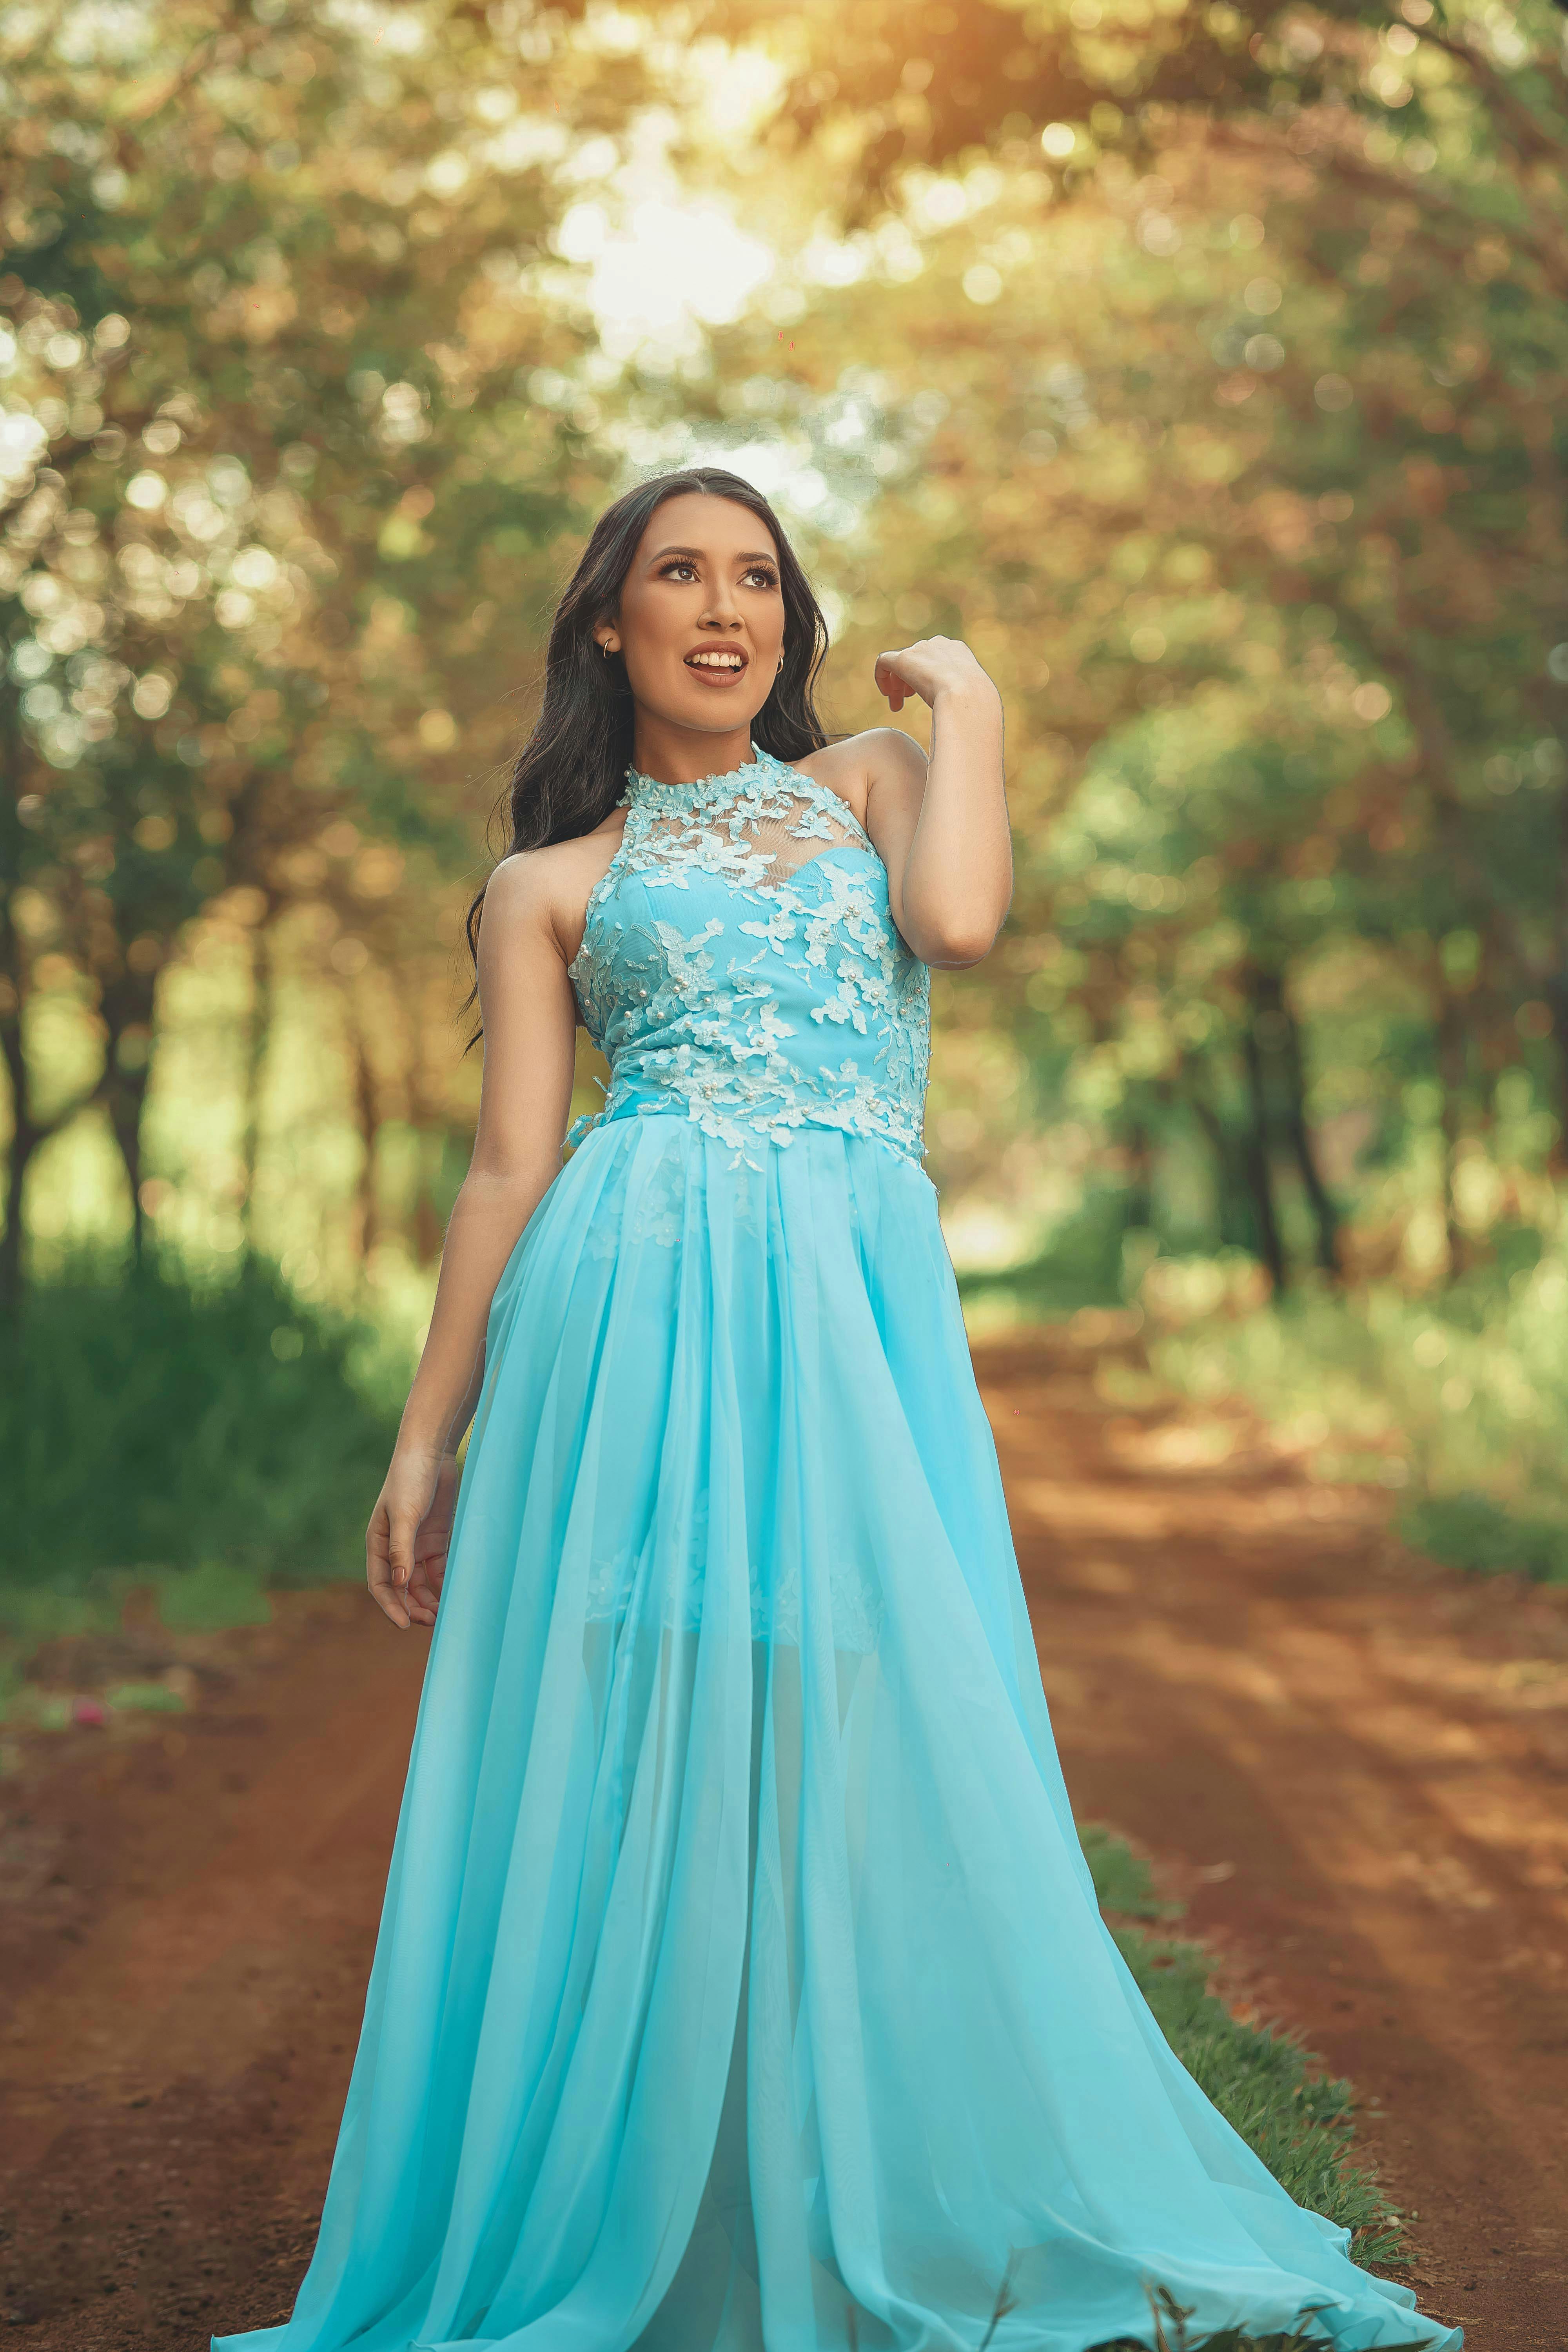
(147, 1698)
(1459, 1398)
(215, 1593)
(274, 485)
(1263, 2081)
(1080, 1265)
(1218, 398)
(225, 1433)
(1250, 329)
(1474, 1530)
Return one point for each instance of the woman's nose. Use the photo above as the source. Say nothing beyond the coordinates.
(720, 606)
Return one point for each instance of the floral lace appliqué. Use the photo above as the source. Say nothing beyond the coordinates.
(775, 991)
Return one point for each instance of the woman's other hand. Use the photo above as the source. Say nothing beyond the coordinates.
(410, 1528)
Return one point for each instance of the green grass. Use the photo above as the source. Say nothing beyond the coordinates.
(1170, 2335)
(1265, 2084)
(1456, 1398)
(212, 1439)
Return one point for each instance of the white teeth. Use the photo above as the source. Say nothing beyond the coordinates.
(714, 661)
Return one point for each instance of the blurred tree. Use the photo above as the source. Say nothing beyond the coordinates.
(1230, 352)
(281, 480)
(1250, 329)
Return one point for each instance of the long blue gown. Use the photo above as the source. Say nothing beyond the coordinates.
(740, 1985)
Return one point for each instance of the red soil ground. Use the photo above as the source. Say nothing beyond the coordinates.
(1351, 1765)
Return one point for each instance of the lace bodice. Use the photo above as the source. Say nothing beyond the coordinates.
(740, 965)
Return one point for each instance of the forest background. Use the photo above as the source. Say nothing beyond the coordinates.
(1203, 364)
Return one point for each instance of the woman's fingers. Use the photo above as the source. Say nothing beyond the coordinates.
(907, 670)
(406, 1543)
(888, 681)
(422, 1595)
(404, 1530)
(381, 1567)
(377, 1566)
(924, 669)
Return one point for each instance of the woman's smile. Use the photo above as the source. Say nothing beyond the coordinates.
(718, 664)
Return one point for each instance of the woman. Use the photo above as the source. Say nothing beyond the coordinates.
(740, 1982)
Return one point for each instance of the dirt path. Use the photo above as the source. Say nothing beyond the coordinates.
(1353, 1766)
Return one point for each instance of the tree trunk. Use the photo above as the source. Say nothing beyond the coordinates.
(428, 1232)
(258, 1043)
(14, 978)
(1555, 990)
(29, 1131)
(1257, 1158)
(1139, 1209)
(1451, 1072)
(28, 1134)
(127, 1099)
(367, 1105)
(25, 1140)
(1292, 1071)
(1233, 1210)
(127, 1002)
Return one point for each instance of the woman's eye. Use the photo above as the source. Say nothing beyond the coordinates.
(764, 578)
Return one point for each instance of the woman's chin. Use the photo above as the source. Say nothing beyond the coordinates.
(717, 688)
(709, 707)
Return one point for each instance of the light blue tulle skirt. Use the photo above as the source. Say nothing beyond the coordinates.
(740, 1982)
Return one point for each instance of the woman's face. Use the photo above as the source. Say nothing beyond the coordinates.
(702, 616)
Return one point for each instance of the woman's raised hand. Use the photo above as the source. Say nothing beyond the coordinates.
(929, 668)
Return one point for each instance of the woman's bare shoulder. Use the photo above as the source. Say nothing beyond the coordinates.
(548, 888)
(852, 765)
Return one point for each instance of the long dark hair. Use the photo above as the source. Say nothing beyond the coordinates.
(572, 770)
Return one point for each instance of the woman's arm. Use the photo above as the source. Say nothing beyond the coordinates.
(529, 1023)
(940, 826)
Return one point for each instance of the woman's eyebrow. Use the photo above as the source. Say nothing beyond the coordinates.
(756, 555)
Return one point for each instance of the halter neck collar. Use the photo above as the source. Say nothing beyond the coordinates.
(640, 787)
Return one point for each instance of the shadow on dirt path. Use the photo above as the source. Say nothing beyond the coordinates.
(1350, 1765)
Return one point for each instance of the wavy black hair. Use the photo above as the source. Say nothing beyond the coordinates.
(572, 770)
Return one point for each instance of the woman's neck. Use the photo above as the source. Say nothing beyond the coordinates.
(669, 754)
